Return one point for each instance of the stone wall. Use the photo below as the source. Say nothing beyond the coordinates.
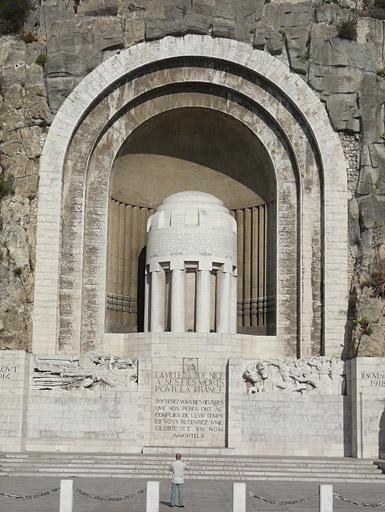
(307, 426)
(178, 394)
(14, 379)
(76, 36)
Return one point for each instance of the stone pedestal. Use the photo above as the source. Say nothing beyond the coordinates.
(189, 381)
(196, 391)
(368, 406)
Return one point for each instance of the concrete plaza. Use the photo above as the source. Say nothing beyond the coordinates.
(200, 495)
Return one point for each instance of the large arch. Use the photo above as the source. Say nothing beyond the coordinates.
(100, 110)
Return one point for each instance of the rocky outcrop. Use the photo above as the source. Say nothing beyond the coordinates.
(24, 118)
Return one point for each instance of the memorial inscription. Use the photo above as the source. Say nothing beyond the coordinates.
(188, 406)
(375, 379)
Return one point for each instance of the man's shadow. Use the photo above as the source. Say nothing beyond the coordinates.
(166, 503)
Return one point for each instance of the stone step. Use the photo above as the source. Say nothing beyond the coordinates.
(273, 477)
(202, 471)
(164, 460)
(200, 467)
(92, 460)
(195, 467)
(191, 472)
(214, 459)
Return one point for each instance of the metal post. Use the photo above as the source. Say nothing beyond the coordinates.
(152, 497)
(66, 495)
(239, 497)
(326, 498)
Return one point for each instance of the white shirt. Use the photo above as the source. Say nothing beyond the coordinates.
(177, 468)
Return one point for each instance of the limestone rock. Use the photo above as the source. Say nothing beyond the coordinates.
(370, 324)
(24, 118)
(372, 98)
(354, 228)
(344, 112)
(246, 13)
(16, 292)
(372, 211)
(98, 7)
(74, 48)
(332, 14)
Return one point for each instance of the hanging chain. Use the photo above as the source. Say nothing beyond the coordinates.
(29, 496)
(359, 503)
(276, 502)
(109, 498)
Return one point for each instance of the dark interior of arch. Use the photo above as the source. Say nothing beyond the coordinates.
(192, 149)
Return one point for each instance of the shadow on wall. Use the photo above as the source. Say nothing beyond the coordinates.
(381, 434)
(140, 288)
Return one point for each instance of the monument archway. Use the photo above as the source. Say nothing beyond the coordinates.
(88, 137)
(192, 149)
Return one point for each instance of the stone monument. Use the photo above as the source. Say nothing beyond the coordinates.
(192, 272)
(191, 263)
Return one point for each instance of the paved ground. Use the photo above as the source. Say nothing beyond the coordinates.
(200, 495)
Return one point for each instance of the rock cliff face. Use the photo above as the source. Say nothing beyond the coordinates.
(74, 36)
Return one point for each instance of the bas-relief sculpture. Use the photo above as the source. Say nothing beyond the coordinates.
(317, 374)
(93, 371)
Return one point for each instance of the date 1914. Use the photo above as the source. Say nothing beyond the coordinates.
(6, 372)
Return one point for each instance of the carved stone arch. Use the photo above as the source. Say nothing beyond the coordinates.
(64, 164)
(99, 171)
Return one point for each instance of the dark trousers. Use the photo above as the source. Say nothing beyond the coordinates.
(176, 491)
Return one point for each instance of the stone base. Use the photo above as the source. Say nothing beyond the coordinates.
(191, 396)
(189, 450)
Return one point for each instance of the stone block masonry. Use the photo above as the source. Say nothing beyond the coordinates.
(195, 396)
(14, 390)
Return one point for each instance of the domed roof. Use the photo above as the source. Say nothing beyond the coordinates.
(192, 196)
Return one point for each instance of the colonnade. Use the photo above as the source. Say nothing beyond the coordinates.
(255, 266)
(126, 241)
(211, 307)
(125, 291)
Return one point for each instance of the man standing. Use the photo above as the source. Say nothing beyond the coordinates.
(177, 469)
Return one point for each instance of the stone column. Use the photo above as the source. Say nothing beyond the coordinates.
(239, 219)
(203, 309)
(247, 267)
(254, 267)
(178, 299)
(157, 314)
(146, 300)
(233, 304)
(223, 302)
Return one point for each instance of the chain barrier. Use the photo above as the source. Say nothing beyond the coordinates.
(276, 502)
(29, 496)
(359, 503)
(109, 498)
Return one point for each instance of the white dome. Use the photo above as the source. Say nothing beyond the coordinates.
(192, 225)
(192, 195)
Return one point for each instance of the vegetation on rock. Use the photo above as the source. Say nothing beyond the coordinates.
(28, 37)
(376, 9)
(13, 14)
(41, 59)
(347, 30)
(363, 325)
(377, 283)
(6, 186)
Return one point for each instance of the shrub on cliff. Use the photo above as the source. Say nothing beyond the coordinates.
(13, 14)
(6, 186)
(347, 30)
